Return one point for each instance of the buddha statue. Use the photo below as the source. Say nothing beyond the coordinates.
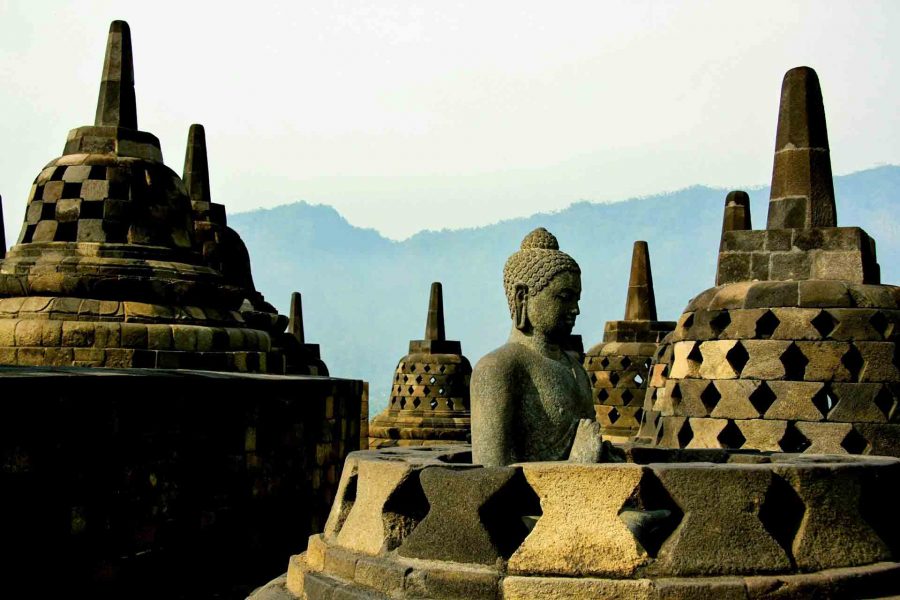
(531, 397)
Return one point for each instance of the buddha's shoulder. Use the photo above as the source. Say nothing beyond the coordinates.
(505, 359)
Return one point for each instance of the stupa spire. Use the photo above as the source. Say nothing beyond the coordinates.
(434, 326)
(737, 212)
(116, 103)
(295, 326)
(641, 303)
(802, 188)
(196, 165)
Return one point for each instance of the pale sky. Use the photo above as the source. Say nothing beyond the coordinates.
(409, 115)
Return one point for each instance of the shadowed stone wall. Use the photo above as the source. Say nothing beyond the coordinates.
(164, 484)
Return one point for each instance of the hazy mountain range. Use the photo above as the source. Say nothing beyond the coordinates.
(365, 296)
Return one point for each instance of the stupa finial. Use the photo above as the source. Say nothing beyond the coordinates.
(196, 165)
(641, 302)
(802, 188)
(737, 212)
(116, 103)
(434, 326)
(295, 326)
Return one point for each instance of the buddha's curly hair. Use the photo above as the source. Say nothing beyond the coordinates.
(536, 264)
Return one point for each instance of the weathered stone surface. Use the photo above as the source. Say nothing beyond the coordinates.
(574, 537)
(762, 434)
(460, 582)
(566, 588)
(794, 400)
(825, 438)
(374, 523)
(454, 528)
(722, 537)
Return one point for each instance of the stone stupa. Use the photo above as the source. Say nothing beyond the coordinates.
(106, 271)
(795, 349)
(619, 366)
(429, 401)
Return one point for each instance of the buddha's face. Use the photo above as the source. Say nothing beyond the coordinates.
(552, 311)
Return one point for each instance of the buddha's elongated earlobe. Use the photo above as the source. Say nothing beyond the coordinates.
(521, 316)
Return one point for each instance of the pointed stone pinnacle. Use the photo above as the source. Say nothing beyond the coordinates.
(196, 165)
(434, 327)
(295, 326)
(2, 232)
(641, 303)
(737, 212)
(116, 103)
(802, 187)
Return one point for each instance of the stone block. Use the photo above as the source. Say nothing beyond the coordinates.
(878, 362)
(778, 240)
(159, 337)
(796, 324)
(7, 332)
(794, 400)
(75, 334)
(762, 434)
(760, 266)
(389, 504)
(580, 532)
(725, 537)
(747, 240)
(29, 332)
(565, 588)
(715, 364)
(743, 323)
(684, 364)
(730, 296)
(297, 568)
(91, 230)
(764, 359)
(453, 583)
(860, 402)
(883, 439)
(340, 562)
(31, 357)
(833, 532)
(315, 552)
(824, 294)
(840, 266)
(134, 335)
(825, 361)
(733, 267)
(734, 401)
(386, 576)
(873, 296)
(700, 588)
(824, 438)
(766, 294)
(706, 432)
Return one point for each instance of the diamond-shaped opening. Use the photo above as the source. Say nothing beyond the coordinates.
(432, 380)
(695, 355)
(602, 395)
(400, 366)
(426, 390)
(766, 325)
(442, 369)
(737, 357)
(427, 368)
(402, 403)
(441, 391)
(627, 396)
(793, 440)
(650, 514)
(604, 362)
(854, 443)
(416, 402)
(418, 379)
(824, 322)
(412, 368)
(710, 397)
(646, 365)
(449, 403)
(881, 324)
(393, 400)
(884, 400)
(614, 378)
(689, 321)
(404, 509)
(762, 398)
(731, 436)
(613, 415)
(676, 395)
(626, 362)
(720, 322)
(433, 404)
(510, 514)
(781, 513)
(593, 377)
(824, 400)
(853, 361)
(638, 379)
(794, 362)
(409, 390)
(685, 434)
(639, 414)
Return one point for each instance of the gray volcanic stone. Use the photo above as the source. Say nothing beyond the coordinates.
(454, 528)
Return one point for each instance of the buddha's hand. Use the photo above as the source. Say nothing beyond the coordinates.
(588, 444)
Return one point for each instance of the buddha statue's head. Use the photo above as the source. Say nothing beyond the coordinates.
(543, 286)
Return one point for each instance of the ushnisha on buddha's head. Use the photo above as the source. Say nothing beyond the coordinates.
(543, 287)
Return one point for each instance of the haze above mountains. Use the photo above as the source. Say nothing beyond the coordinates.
(365, 296)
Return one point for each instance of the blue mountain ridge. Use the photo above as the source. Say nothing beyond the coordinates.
(365, 297)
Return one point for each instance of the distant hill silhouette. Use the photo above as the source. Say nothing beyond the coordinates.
(365, 297)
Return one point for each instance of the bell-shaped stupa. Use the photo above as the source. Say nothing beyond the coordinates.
(429, 401)
(619, 366)
(795, 349)
(106, 270)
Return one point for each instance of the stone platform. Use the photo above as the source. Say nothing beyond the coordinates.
(151, 483)
(422, 523)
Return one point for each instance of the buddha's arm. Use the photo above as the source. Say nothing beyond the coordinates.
(493, 407)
